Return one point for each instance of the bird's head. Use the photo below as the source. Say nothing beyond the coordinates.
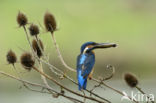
(90, 46)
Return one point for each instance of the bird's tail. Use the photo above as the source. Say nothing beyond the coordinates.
(82, 84)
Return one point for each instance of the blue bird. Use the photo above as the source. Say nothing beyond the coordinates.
(86, 61)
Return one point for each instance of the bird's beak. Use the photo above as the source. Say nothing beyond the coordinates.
(104, 45)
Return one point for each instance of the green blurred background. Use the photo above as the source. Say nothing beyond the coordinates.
(129, 23)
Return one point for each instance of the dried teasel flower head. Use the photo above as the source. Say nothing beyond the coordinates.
(50, 22)
(34, 30)
(22, 19)
(27, 61)
(37, 48)
(11, 57)
(131, 80)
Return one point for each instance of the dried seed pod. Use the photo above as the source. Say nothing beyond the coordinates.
(49, 22)
(37, 48)
(131, 80)
(11, 57)
(27, 61)
(34, 30)
(22, 19)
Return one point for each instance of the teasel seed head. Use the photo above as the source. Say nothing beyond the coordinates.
(22, 19)
(27, 61)
(37, 48)
(34, 30)
(131, 80)
(50, 22)
(11, 57)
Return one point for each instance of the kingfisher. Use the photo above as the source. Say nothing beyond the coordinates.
(86, 61)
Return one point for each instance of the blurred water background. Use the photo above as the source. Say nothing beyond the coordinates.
(129, 23)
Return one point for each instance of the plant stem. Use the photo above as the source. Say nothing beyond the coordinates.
(139, 89)
(119, 92)
(27, 36)
(69, 90)
(70, 79)
(34, 54)
(39, 85)
(59, 53)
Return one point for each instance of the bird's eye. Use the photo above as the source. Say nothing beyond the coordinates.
(88, 51)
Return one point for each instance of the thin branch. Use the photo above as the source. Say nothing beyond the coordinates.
(119, 92)
(27, 36)
(43, 78)
(33, 84)
(36, 90)
(34, 54)
(70, 79)
(103, 79)
(95, 86)
(84, 95)
(69, 90)
(112, 74)
(20, 77)
(139, 89)
(59, 53)
(39, 85)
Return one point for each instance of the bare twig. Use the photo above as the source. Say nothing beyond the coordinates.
(119, 92)
(95, 86)
(84, 95)
(43, 78)
(27, 36)
(112, 74)
(20, 77)
(34, 54)
(139, 89)
(61, 74)
(103, 79)
(59, 53)
(69, 90)
(39, 85)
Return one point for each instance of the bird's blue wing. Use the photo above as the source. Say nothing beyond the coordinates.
(85, 63)
(88, 65)
(82, 82)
